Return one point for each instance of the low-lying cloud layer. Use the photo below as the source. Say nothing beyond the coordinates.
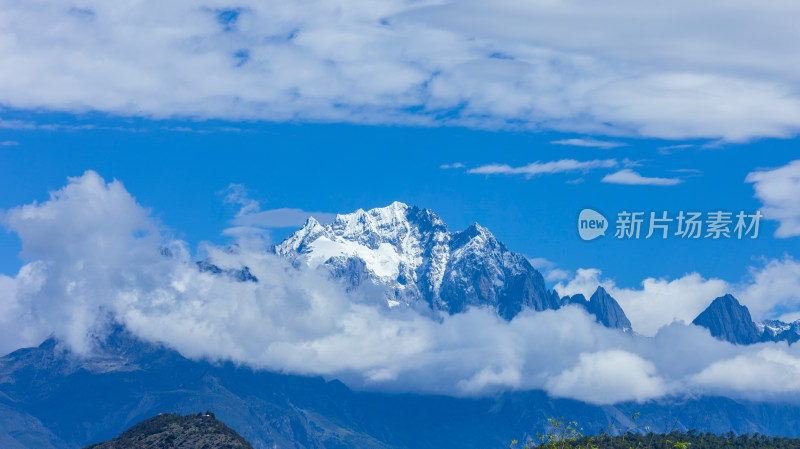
(95, 253)
(679, 69)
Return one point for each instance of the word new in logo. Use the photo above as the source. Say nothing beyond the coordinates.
(591, 224)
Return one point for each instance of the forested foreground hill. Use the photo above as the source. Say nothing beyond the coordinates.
(567, 436)
(697, 440)
(204, 431)
(201, 431)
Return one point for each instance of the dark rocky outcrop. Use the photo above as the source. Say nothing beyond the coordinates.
(168, 431)
(728, 320)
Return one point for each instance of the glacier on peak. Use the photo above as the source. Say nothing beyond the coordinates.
(412, 255)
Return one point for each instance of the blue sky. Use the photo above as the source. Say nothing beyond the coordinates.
(181, 168)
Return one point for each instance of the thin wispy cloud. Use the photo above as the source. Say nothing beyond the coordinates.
(544, 168)
(452, 166)
(589, 143)
(30, 125)
(630, 177)
(549, 269)
(17, 124)
(187, 129)
(251, 215)
(284, 217)
(687, 172)
(632, 163)
(9, 143)
(673, 148)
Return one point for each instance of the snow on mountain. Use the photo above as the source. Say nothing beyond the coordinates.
(772, 327)
(776, 330)
(413, 256)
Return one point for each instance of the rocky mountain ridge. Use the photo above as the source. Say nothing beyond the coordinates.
(729, 320)
(418, 262)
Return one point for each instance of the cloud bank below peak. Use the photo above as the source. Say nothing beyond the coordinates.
(677, 70)
(95, 254)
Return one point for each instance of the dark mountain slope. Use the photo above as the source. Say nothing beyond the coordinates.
(605, 309)
(728, 320)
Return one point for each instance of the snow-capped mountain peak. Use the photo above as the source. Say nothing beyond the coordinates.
(382, 238)
(412, 254)
(375, 226)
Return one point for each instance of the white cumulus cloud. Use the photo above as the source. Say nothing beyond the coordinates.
(679, 69)
(599, 377)
(769, 371)
(779, 191)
